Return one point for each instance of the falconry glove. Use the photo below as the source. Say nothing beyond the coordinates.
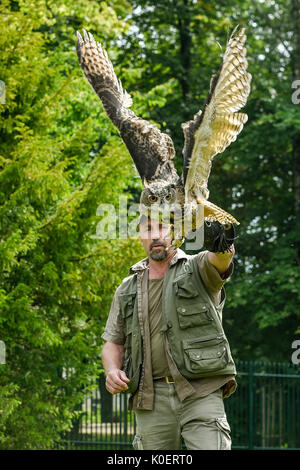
(218, 238)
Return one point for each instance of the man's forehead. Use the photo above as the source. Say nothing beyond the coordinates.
(147, 222)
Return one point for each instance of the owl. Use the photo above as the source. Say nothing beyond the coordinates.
(167, 195)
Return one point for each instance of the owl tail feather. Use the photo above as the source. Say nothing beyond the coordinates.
(213, 212)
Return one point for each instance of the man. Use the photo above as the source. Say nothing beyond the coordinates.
(166, 344)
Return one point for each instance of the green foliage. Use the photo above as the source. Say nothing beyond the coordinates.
(59, 159)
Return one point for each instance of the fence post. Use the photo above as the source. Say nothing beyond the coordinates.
(125, 417)
(106, 400)
(251, 405)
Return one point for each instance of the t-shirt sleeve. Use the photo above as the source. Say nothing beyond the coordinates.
(211, 277)
(114, 328)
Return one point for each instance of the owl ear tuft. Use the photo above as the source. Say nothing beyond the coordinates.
(145, 183)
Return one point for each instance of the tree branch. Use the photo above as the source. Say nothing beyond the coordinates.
(269, 23)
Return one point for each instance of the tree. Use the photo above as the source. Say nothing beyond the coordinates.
(59, 157)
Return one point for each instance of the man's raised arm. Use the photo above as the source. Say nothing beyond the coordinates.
(221, 261)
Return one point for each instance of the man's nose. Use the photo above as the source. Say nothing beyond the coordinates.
(157, 233)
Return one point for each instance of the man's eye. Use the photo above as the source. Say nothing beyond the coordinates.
(168, 197)
(152, 198)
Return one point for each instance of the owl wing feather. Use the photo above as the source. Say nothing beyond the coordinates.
(217, 124)
(152, 151)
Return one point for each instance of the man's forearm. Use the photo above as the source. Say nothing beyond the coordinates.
(221, 261)
(112, 356)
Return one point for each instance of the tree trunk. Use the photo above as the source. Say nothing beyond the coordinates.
(184, 22)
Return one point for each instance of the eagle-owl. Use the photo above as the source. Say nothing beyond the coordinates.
(209, 133)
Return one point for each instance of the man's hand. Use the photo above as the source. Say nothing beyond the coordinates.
(116, 381)
(218, 238)
(112, 357)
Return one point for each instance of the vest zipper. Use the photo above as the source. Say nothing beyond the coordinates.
(205, 340)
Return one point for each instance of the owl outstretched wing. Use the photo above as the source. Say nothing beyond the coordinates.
(152, 150)
(218, 123)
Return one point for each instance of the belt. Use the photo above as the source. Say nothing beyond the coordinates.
(168, 380)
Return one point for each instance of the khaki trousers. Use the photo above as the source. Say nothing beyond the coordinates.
(201, 422)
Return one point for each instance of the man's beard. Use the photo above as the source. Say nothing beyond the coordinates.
(158, 254)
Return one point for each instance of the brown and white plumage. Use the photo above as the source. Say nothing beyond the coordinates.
(209, 133)
(217, 125)
(151, 150)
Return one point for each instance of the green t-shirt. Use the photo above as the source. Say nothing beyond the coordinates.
(159, 361)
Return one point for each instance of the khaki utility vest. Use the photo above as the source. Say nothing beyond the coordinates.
(191, 321)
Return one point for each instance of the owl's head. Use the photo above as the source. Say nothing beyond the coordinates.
(159, 194)
(162, 200)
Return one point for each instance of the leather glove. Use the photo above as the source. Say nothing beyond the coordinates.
(218, 237)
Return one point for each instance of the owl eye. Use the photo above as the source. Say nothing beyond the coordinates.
(168, 197)
(152, 198)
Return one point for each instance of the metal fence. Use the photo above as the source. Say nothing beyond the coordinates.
(264, 412)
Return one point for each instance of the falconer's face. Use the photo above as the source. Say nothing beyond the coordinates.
(156, 239)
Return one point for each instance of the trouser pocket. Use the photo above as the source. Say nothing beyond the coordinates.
(137, 442)
(224, 434)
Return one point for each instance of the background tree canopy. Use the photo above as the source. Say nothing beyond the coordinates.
(60, 158)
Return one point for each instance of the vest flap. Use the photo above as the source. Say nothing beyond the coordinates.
(209, 353)
(193, 309)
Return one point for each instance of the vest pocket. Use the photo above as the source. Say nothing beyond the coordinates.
(127, 366)
(133, 375)
(184, 287)
(193, 315)
(205, 355)
(126, 302)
